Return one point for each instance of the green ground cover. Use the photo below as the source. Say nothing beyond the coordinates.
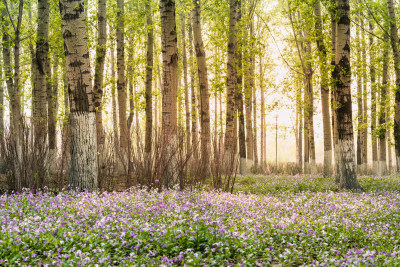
(292, 221)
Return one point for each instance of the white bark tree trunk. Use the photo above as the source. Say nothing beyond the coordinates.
(84, 169)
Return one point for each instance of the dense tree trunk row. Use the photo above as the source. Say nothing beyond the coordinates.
(245, 140)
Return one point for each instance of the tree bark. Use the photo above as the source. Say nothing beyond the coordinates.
(193, 96)
(185, 84)
(382, 132)
(40, 89)
(364, 150)
(248, 93)
(12, 81)
(309, 104)
(65, 132)
(263, 135)
(52, 87)
(121, 90)
(231, 78)
(344, 147)
(396, 58)
(1, 114)
(99, 71)
(204, 94)
(149, 80)
(84, 167)
(332, 83)
(375, 160)
(324, 92)
(255, 119)
(169, 87)
(114, 108)
(299, 111)
(239, 94)
(360, 118)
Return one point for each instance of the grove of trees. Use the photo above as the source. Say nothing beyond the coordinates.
(165, 93)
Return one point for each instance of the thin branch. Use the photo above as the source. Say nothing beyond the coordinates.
(295, 39)
(20, 11)
(9, 14)
(277, 46)
(367, 31)
(372, 14)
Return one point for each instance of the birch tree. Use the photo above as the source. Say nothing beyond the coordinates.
(83, 172)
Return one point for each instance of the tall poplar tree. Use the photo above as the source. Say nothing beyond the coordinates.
(343, 118)
(204, 93)
(82, 109)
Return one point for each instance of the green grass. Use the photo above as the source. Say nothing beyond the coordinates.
(273, 184)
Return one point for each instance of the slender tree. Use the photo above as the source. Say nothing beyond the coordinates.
(40, 89)
(121, 91)
(394, 38)
(231, 78)
(324, 91)
(193, 95)
(239, 92)
(372, 74)
(169, 85)
(99, 70)
(149, 79)
(52, 88)
(12, 76)
(364, 149)
(360, 118)
(382, 110)
(204, 94)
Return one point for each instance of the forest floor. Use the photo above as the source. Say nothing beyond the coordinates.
(268, 221)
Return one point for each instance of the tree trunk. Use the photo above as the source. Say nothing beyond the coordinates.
(396, 58)
(1, 117)
(149, 80)
(231, 81)
(263, 135)
(84, 167)
(12, 81)
(375, 161)
(360, 119)
(344, 148)
(324, 92)
(121, 89)
(299, 111)
(309, 103)
(193, 96)
(129, 85)
(204, 94)
(52, 86)
(40, 89)
(185, 83)
(382, 110)
(65, 132)
(114, 108)
(169, 87)
(255, 121)
(239, 95)
(248, 93)
(364, 150)
(101, 49)
(333, 64)
(389, 143)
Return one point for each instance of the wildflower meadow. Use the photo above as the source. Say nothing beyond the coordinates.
(199, 227)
